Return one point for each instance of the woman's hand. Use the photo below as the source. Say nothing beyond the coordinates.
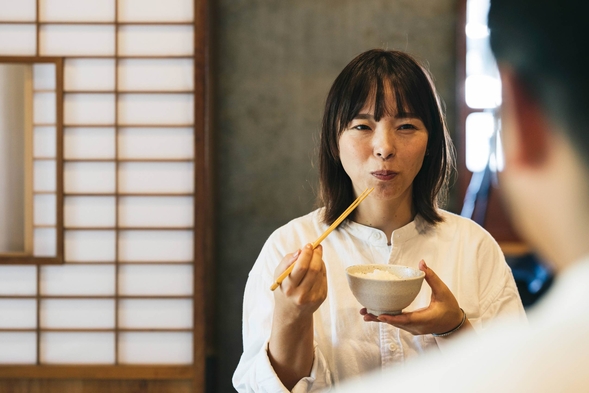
(301, 293)
(442, 315)
(305, 288)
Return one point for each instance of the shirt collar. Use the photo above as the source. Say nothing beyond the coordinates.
(376, 237)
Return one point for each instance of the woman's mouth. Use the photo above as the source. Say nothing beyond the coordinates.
(384, 175)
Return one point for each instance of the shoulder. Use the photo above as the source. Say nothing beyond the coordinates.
(305, 225)
(461, 233)
(290, 237)
(465, 228)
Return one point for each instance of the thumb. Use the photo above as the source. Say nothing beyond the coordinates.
(436, 284)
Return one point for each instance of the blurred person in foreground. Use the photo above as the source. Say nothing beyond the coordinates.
(541, 54)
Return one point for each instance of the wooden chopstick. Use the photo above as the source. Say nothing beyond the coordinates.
(324, 235)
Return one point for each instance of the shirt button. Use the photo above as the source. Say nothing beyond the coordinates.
(392, 347)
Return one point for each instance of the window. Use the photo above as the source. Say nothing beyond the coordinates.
(479, 143)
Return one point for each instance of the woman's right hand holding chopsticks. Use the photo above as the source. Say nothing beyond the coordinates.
(305, 288)
(300, 294)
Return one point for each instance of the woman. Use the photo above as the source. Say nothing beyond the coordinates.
(383, 127)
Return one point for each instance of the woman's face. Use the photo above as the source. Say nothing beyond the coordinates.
(385, 154)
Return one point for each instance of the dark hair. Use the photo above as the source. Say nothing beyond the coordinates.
(545, 42)
(364, 79)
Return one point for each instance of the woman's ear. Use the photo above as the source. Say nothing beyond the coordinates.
(525, 128)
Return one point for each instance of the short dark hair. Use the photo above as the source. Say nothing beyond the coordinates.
(367, 78)
(545, 43)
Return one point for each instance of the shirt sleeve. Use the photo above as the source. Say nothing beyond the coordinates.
(499, 297)
(254, 372)
(492, 280)
(506, 303)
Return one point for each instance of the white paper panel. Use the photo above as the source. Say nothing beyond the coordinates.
(44, 109)
(156, 40)
(155, 313)
(77, 40)
(45, 209)
(76, 10)
(156, 109)
(44, 242)
(44, 76)
(89, 177)
(44, 175)
(21, 10)
(155, 348)
(18, 348)
(89, 74)
(89, 211)
(77, 313)
(18, 280)
(18, 313)
(156, 10)
(89, 142)
(156, 74)
(89, 246)
(89, 109)
(158, 246)
(155, 280)
(156, 177)
(156, 143)
(18, 40)
(156, 211)
(44, 141)
(77, 348)
(78, 280)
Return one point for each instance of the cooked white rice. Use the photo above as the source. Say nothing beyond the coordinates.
(378, 274)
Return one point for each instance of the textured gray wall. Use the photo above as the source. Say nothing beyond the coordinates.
(274, 63)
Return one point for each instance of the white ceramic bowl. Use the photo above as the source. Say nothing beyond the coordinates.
(384, 295)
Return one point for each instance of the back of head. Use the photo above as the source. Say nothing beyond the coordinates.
(545, 42)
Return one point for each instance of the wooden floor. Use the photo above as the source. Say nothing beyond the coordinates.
(93, 386)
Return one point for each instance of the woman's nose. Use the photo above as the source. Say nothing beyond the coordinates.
(384, 147)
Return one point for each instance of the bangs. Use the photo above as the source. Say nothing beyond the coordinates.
(373, 85)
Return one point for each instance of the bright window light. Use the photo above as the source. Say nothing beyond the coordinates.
(479, 130)
(477, 30)
(483, 92)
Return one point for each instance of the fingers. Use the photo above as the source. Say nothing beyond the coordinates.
(288, 260)
(305, 288)
(318, 290)
(309, 264)
(400, 320)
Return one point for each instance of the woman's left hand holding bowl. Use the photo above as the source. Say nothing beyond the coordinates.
(442, 315)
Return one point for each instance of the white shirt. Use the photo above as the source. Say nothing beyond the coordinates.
(464, 256)
(551, 356)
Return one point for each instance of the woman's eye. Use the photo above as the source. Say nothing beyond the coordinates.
(407, 126)
(360, 127)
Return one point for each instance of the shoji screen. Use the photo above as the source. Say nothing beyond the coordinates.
(128, 301)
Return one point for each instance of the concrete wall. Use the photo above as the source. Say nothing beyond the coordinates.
(274, 63)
